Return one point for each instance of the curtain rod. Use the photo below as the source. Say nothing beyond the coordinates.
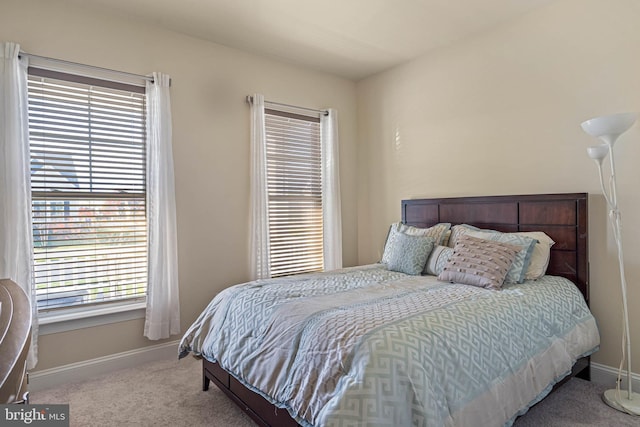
(93, 67)
(323, 112)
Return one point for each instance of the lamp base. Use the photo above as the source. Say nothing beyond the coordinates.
(622, 402)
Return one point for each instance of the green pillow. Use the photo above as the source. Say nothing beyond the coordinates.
(408, 254)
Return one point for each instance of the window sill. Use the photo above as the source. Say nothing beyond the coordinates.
(79, 318)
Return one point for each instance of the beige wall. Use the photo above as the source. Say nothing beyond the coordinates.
(500, 113)
(211, 145)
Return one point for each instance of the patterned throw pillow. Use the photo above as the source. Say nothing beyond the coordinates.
(479, 262)
(523, 259)
(438, 232)
(438, 258)
(457, 231)
(410, 253)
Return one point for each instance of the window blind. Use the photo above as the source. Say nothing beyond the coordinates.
(294, 181)
(88, 172)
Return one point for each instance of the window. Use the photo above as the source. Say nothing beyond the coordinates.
(294, 182)
(88, 173)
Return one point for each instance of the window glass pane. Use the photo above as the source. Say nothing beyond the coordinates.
(295, 194)
(87, 145)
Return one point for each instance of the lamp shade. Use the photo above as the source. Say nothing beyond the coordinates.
(609, 128)
(598, 152)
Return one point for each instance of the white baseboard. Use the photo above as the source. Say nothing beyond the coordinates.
(80, 371)
(606, 375)
(87, 369)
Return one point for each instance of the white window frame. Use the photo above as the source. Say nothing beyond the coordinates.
(70, 318)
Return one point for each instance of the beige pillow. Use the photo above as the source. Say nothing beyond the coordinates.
(438, 231)
(445, 241)
(523, 259)
(479, 262)
(540, 256)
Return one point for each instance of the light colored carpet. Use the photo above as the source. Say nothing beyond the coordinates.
(168, 393)
(576, 403)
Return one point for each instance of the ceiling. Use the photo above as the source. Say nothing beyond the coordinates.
(349, 38)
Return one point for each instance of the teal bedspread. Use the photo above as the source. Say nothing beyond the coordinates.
(367, 346)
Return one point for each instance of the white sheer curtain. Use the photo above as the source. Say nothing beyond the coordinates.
(259, 221)
(16, 253)
(331, 207)
(163, 303)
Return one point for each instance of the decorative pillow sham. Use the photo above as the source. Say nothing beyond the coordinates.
(457, 231)
(409, 253)
(437, 232)
(479, 262)
(525, 248)
(438, 259)
(540, 255)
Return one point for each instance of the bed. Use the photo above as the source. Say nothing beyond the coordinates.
(324, 349)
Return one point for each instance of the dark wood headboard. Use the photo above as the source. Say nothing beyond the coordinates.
(562, 216)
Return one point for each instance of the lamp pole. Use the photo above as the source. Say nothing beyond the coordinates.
(616, 224)
(608, 129)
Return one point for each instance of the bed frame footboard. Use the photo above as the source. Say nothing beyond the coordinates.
(257, 407)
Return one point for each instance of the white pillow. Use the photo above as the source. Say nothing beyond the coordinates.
(540, 256)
